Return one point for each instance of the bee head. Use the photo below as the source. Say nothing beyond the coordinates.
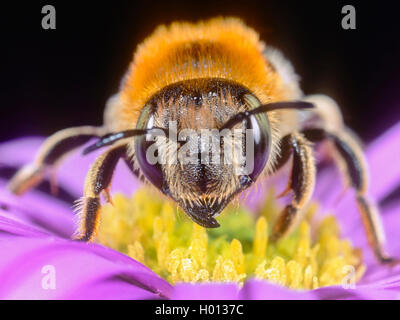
(196, 159)
(201, 142)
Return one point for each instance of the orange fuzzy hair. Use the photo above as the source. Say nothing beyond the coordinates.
(218, 48)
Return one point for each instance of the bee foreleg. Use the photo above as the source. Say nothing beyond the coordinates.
(282, 159)
(97, 181)
(301, 182)
(49, 155)
(131, 165)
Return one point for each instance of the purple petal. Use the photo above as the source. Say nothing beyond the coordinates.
(15, 153)
(17, 227)
(264, 290)
(359, 293)
(391, 219)
(82, 271)
(384, 160)
(40, 210)
(214, 291)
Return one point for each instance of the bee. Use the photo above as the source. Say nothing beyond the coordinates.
(214, 74)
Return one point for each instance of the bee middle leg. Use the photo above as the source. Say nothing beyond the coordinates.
(349, 157)
(301, 181)
(97, 181)
(53, 150)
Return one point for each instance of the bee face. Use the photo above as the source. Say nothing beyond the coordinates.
(202, 178)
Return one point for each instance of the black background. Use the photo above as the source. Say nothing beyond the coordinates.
(53, 79)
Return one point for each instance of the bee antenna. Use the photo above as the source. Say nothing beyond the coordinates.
(299, 105)
(111, 138)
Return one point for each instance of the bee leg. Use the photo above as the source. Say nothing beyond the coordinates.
(131, 165)
(49, 155)
(282, 158)
(97, 181)
(301, 182)
(351, 161)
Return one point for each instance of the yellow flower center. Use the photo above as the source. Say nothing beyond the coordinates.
(153, 231)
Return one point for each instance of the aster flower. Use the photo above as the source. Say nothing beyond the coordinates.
(144, 250)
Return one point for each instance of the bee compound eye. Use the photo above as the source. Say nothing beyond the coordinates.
(148, 161)
(259, 125)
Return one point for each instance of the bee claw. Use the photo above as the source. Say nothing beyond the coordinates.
(389, 261)
(284, 192)
(107, 196)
